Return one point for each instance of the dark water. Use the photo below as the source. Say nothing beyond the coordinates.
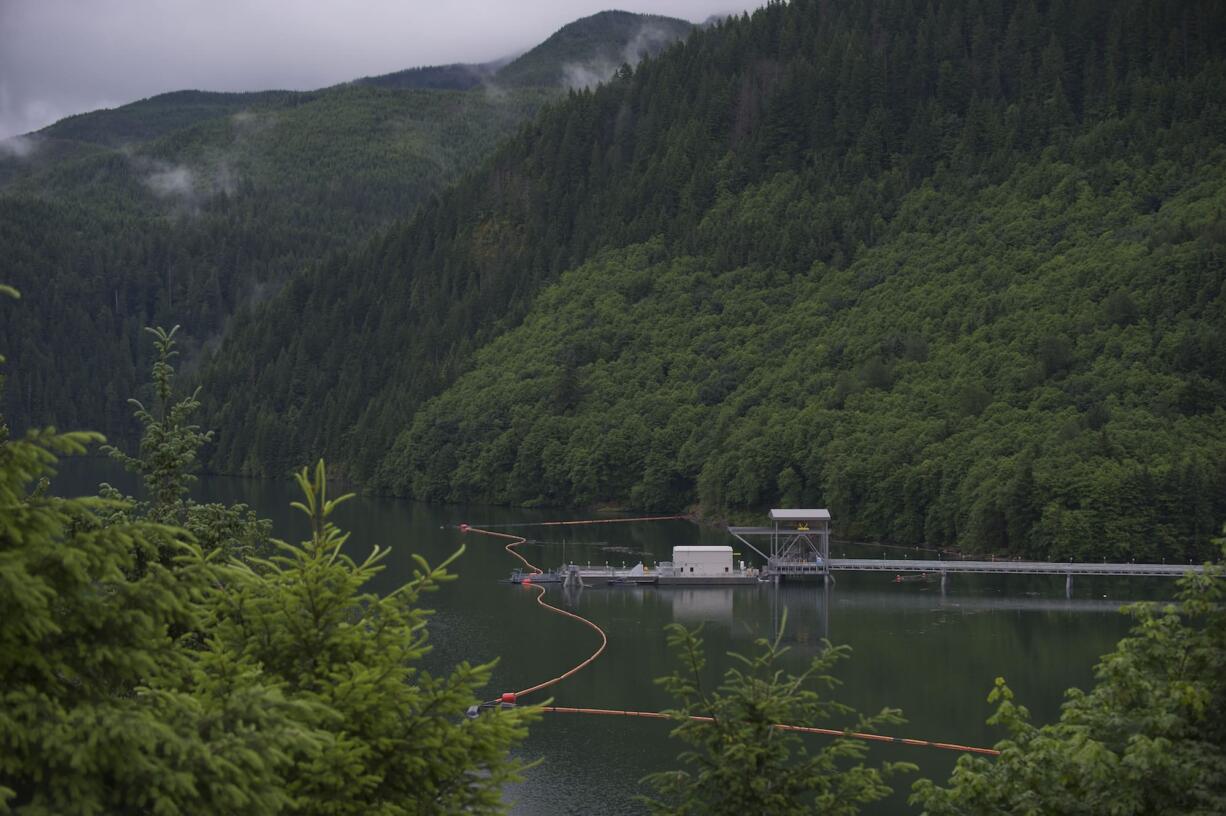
(933, 654)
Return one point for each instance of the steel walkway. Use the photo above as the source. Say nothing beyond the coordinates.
(937, 567)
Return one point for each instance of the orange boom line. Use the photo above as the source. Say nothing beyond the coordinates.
(510, 698)
(540, 599)
(803, 729)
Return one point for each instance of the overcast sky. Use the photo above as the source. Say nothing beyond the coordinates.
(59, 57)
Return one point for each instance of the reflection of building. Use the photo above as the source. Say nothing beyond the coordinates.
(692, 605)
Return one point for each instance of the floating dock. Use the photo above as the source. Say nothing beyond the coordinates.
(691, 566)
(797, 546)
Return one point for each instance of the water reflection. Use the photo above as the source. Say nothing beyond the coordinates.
(701, 605)
(933, 655)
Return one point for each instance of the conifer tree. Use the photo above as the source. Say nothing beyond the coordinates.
(169, 447)
(169, 443)
(1150, 737)
(102, 707)
(738, 762)
(140, 674)
(395, 738)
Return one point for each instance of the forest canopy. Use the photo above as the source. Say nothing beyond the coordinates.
(953, 269)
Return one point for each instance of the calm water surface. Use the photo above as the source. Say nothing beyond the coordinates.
(933, 654)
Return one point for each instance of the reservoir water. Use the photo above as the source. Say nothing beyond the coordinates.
(932, 654)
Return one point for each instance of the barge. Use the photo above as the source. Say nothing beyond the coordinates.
(691, 566)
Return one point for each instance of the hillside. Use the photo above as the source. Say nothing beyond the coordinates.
(187, 227)
(181, 208)
(953, 269)
(458, 76)
(581, 54)
(588, 51)
(159, 115)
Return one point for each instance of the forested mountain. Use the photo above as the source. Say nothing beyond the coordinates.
(158, 115)
(590, 50)
(458, 76)
(952, 268)
(579, 54)
(181, 208)
(186, 227)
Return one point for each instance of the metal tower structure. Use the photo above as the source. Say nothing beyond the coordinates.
(797, 542)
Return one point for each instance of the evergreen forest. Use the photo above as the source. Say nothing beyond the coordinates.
(953, 269)
(189, 207)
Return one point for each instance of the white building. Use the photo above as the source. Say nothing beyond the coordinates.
(704, 562)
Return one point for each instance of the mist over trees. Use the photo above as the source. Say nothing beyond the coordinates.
(188, 207)
(952, 269)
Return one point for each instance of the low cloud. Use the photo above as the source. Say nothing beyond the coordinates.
(577, 76)
(60, 57)
(172, 181)
(248, 123)
(493, 91)
(190, 186)
(216, 173)
(17, 147)
(651, 38)
(225, 178)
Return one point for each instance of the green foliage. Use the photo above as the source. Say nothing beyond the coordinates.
(746, 387)
(169, 444)
(395, 739)
(194, 688)
(456, 77)
(1150, 737)
(102, 709)
(739, 762)
(954, 271)
(140, 673)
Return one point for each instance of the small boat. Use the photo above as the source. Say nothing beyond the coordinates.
(520, 576)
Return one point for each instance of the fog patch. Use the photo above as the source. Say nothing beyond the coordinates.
(578, 76)
(190, 186)
(493, 91)
(226, 178)
(172, 181)
(249, 123)
(18, 147)
(649, 40)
